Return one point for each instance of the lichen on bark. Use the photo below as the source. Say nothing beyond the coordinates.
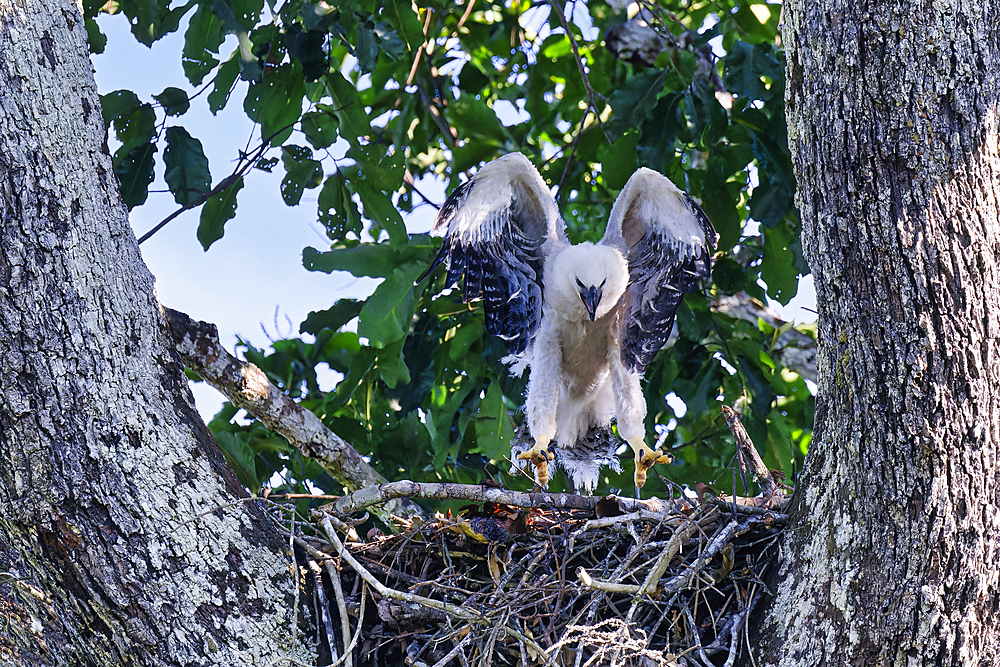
(125, 538)
(893, 126)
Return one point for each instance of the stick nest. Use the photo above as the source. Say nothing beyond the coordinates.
(500, 585)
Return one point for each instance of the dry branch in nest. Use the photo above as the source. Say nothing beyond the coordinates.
(608, 582)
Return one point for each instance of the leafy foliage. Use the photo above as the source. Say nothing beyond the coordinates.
(364, 98)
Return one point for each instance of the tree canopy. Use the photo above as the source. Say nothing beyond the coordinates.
(362, 100)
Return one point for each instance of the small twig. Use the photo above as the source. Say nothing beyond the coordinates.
(761, 474)
(734, 637)
(695, 635)
(455, 651)
(606, 586)
(667, 555)
(223, 184)
(324, 608)
(743, 506)
(385, 591)
(592, 104)
(345, 622)
(683, 580)
(349, 650)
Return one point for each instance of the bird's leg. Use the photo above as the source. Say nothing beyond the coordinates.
(539, 455)
(645, 458)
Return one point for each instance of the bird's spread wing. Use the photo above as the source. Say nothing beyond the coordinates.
(497, 228)
(668, 241)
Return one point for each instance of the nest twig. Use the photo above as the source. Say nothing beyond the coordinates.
(599, 582)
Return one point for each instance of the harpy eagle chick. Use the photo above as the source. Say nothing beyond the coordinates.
(586, 319)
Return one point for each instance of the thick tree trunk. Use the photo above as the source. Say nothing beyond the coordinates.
(123, 539)
(893, 124)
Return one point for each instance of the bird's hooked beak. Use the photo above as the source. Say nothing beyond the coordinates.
(591, 296)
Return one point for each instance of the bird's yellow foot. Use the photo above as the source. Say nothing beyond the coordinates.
(646, 459)
(539, 455)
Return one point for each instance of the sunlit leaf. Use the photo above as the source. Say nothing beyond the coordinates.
(217, 211)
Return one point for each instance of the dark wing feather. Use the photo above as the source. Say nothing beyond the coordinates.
(498, 227)
(659, 280)
(668, 241)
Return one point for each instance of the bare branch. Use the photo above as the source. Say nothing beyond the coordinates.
(247, 387)
(760, 472)
(375, 495)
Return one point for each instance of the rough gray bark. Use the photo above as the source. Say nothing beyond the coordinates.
(123, 539)
(893, 125)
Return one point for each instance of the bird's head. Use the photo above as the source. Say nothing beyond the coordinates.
(586, 281)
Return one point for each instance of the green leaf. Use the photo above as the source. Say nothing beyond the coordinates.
(389, 41)
(354, 123)
(405, 21)
(152, 19)
(276, 102)
(301, 172)
(375, 260)
(134, 123)
(241, 458)
(174, 101)
(633, 102)
(721, 208)
(473, 153)
(245, 12)
(472, 79)
(202, 40)
(217, 211)
(386, 316)
(770, 202)
(473, 118)
(419, 354)
(266, 164)
(729, 275)
(135, 173)
(494, 427)
(336, 210)
(777, 266)
(320, 127)
(391, 367)
(382, 170)
(332, 318)
(136, 128)
(223, 86)
(251, 68)
(367, 49)
(744, 67)
(620, 161)
(757, 30)
(360, 366)
(757, 384)
(95, 38)
(381, 211)
(308, 47)
(119, 103)
(187, 172)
